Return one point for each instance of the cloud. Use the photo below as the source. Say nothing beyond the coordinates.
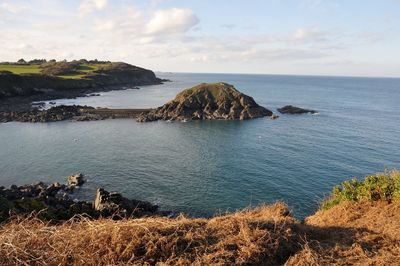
(88, 6)
(171, 21)
(12, 8)
(104, 25)
(308, 34)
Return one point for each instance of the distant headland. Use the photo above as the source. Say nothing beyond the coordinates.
(23, 82)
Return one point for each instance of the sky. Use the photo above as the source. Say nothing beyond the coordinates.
(303, 37)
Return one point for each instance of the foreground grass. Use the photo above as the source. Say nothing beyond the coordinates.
(260, 236)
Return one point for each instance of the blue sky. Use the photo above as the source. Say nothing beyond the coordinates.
(306, 37)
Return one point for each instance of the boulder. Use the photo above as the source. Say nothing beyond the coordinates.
(289, 109)
(112, 203)
(208, 101)
(273, 117)
(76, 180)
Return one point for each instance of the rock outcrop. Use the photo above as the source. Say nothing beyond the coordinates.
(208, 101)
(51, 202)
(69, 112)
(289, 109)
(56, 113)
(56, 202)
(76, 180)
(110, 203)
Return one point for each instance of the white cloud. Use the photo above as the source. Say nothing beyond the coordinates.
(88, 6)
(104, 25)
(307, 34)
(12, 8)
(171, 21)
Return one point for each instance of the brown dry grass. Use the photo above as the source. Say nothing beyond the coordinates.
(260, 236)
(348, 234)
(364, 233)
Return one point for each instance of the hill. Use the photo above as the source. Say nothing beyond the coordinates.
(51, 80)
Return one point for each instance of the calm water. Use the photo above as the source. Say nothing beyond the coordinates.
(215, 166)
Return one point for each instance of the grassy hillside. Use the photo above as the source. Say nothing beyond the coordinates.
(364, 232)
(53, 80)
(81, 71)
(20, 69)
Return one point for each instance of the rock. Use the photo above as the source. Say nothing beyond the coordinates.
(54, 188)
(115, 204)
(76, 180)
(55, 202)
(289, 109)
(273, 117)
(210, 101)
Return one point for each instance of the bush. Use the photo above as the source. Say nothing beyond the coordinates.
(385, 187)
(60, 68)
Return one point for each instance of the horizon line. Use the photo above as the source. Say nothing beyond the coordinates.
(270, 74)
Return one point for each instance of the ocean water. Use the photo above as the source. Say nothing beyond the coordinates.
(208, 167)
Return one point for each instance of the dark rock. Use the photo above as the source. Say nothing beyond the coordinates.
(54, 202)
(289, 109)
(115, 204)
(273, 117)
(76, 180)
(208, 101)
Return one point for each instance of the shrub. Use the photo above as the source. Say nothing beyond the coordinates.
(384, 186)
(60, 68)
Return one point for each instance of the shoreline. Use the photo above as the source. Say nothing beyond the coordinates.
(71, 113)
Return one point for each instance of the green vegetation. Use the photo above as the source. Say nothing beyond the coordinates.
(216, 90)
(20, 69)
(384, 186)
(66, 70)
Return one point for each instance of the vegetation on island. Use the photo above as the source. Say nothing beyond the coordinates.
(362, 228)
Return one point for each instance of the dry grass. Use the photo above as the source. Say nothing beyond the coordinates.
(262, 236)
(363, 233)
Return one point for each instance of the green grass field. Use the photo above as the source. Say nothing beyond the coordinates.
(35, 69)
(21, 69)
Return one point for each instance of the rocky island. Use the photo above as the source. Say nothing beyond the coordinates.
(208, 101)
(293, 110)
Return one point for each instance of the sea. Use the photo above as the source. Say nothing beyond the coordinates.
(206, 168)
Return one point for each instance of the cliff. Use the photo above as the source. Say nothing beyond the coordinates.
(208, 101)
(63, 78)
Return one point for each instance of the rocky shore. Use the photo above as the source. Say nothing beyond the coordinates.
(56, 202)
(208, 101)
(73, 112)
